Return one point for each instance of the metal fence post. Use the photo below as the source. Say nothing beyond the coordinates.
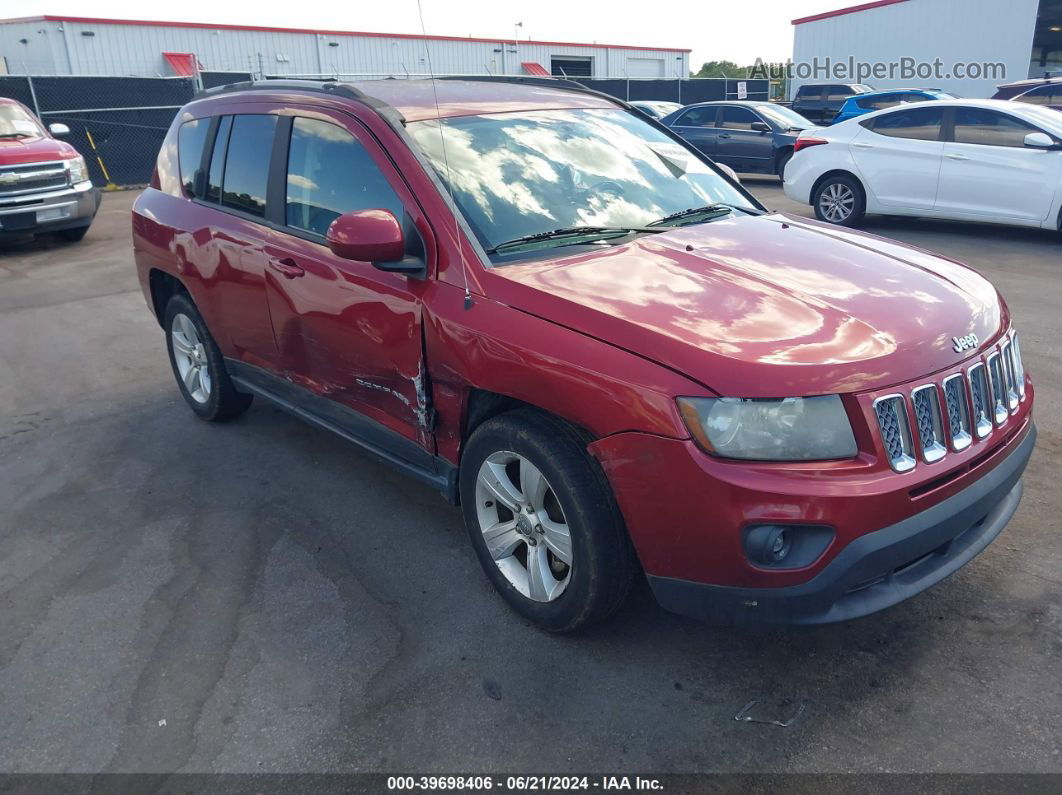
(33, 96)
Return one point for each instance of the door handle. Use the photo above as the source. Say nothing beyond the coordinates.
(286, 267)
(956, 157)
(862, 146)
(724, 135)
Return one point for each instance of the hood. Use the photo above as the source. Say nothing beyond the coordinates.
(769, 306)
(16, 151)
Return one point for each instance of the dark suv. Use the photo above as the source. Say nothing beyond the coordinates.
(821, 102)
(548, 307)
(1045, 91)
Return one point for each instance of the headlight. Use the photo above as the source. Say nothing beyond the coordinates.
(78, 169)
(788, 429)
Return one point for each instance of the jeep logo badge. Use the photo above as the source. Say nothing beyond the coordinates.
(964, 343)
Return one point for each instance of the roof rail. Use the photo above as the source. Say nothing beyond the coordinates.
(329, 87)
(561, 83)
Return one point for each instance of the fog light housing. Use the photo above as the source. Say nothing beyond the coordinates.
(773, 546)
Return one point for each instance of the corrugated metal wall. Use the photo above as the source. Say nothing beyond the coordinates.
(67, 48)
(952, 30)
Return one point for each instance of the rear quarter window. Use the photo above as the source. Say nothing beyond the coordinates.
(191, 138)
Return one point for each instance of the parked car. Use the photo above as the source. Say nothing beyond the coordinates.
(754, 137)
(821, 102)
(879, 100)
(44, 182)
(578, 329)
(656, 110)
(1045, 91)
(966, 160)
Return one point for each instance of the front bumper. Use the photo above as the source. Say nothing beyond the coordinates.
(877, 570)
(49, 211)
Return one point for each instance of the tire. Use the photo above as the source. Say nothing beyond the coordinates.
(783, 161)
(208, 391)
(839, 200)
(73, 235)
(566, 596)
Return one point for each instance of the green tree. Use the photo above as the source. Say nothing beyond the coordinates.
(721, 69)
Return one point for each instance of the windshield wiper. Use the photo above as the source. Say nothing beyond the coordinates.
(15, 135)
(706, 213)
(593, 232)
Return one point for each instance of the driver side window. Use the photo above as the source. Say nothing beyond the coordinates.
(330, 173)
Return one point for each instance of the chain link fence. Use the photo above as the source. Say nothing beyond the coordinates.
(119, 123)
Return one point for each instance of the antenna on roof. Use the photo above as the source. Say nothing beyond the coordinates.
(446, 162)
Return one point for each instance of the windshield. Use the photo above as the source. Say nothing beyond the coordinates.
(14, 120)
(531, 172)
(784, 116)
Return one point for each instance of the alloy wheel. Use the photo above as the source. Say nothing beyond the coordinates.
(837, 202)
(523, 526)
(189, 354)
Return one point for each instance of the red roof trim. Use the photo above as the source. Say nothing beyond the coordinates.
(262, 28)
(535, 68)
(840, 12)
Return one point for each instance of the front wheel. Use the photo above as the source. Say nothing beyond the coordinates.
(543, 521)
(839, 200)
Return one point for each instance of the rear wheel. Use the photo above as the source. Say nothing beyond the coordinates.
(198, 365)
(543, 521)
(783, 161)
(839, 200)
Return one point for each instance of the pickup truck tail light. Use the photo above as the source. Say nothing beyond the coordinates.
(806, 143)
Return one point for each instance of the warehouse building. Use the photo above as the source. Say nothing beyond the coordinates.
(51, 45)
(978, 43)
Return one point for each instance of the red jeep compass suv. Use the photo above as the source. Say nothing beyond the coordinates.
(550, 308)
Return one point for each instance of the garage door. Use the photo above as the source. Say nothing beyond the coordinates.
(645, 67)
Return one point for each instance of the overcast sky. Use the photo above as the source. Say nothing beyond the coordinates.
(736, 30)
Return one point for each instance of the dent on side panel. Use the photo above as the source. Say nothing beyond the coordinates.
(502, 350)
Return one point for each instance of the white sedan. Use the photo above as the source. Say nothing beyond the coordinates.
(965, 160)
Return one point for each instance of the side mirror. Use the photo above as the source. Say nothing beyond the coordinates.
(760, 126)
(1039, 140)
(372, 236)
(728, 171)
(58, 128)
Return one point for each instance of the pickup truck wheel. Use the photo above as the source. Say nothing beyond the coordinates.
(543, 521)
(198, 365)
(73, 235)
(839, 200)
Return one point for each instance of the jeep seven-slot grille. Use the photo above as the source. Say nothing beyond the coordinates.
(922, 424)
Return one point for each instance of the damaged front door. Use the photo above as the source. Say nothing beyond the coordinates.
(344, 329)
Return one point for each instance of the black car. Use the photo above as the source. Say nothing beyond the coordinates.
(1045, 91)
(820, 102)
(753, 137)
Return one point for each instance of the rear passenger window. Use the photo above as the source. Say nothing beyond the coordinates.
(190, 140)
(739, 119)
(920, 124)
(330, 173)
(247, 163)
(988, 128)
(698, 117)
(217, 160)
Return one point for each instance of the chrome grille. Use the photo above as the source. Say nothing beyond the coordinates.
(958, 412)
(891, 412)
(982, 400)
(930, 423)
(1008, 372)
(1019, 368)
(32, 178)
(934, 419)
(999, 388)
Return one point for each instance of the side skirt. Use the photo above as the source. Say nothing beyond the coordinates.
(378, 440)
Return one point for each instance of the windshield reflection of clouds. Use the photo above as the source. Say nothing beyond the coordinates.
(517, 174)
